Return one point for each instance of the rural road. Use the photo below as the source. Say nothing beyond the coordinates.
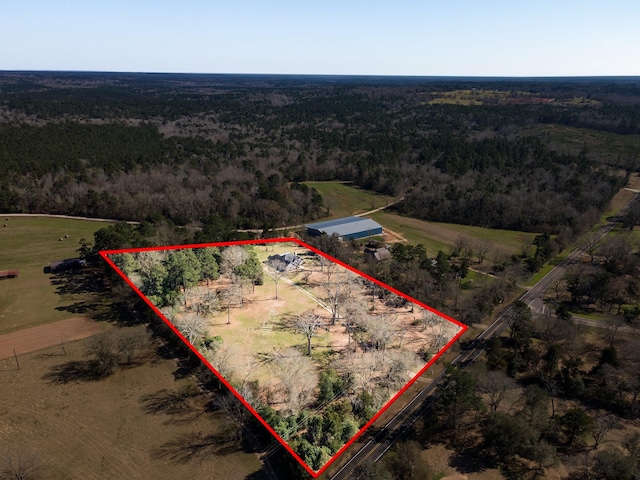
(107, 220)
(393, 430)
(47, 215)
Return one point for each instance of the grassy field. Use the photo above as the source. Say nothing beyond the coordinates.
(130, 425)
(344, 199)
(442, 236)
(134, 424)
(29, 244)
(603, 145)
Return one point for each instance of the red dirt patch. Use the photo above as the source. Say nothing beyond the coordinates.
(45, 336)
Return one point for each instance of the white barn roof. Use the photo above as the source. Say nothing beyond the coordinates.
(345, 227)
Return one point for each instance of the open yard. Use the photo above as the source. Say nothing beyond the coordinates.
(256, 330)
(29, 244)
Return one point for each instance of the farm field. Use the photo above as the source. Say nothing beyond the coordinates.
(29, 244)
(142, 422)
(344, 199)
(442, 236)
(277, 340)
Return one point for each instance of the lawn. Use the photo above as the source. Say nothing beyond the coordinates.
(344, 199)
(29, 244)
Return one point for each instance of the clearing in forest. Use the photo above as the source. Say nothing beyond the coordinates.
(313, 348)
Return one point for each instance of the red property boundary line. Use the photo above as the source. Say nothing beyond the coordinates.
(105, 254)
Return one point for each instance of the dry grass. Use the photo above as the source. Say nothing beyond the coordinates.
(116, 427)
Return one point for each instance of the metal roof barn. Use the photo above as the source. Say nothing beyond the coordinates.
(346, 228)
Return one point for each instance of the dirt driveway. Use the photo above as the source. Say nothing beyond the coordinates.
(45, 336)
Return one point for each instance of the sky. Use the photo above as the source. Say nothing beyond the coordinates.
(331, 37)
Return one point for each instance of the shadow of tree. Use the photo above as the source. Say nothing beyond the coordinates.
(196, 447)
(468, 461)
(113, 304)
(76, 371)
(170, 402)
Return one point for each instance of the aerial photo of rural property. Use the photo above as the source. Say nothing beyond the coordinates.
(313, 347)
(338, 240)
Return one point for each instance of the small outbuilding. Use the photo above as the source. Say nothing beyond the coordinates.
(377, 253)
(346, 228)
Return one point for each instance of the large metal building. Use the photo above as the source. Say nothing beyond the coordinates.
(346, 228)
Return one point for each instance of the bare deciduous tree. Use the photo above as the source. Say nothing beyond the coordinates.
(337, 289)
(219, 356)
(298, 376)
(231, 258)
(236, 412)
(207, 304)
(482, 247)
(307, 323)
(192, 326)
(602, 425)
(278, 270)
(362, 368)
(231, 295)
(20, 463)
(133, 344)
(379, 330)
(462, 247)
(590, 246)
(439, 336)
(495, 384)
(355, 311)
(401, 366)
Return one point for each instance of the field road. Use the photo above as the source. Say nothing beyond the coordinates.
(107, 220)
(393, 430)
(46, 215)
(45, 336)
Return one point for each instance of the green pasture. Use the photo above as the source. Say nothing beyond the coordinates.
(344, 199)
(29, 244)
(442, 236)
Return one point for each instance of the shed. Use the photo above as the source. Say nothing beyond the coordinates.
(346, 228)
(377, 253)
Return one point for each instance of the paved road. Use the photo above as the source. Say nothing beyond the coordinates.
(393, 430)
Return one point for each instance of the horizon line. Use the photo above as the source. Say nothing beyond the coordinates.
(333, 75)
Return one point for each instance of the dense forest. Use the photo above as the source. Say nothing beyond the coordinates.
(238, 148)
